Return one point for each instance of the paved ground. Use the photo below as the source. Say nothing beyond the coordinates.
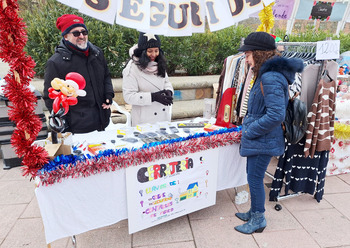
(301, 223)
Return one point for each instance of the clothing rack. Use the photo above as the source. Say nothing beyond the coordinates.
(278, 207)
(296, 43)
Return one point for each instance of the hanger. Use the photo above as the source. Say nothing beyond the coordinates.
(326, 74)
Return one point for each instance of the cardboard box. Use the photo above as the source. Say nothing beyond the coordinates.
(62, 148)
(57, 149)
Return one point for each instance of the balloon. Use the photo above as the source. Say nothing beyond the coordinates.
(65, 92)
(78, 78)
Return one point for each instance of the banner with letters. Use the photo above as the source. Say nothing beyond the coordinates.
(164, 190)
(169, 17)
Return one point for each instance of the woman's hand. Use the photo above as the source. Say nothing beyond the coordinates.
(162, 97)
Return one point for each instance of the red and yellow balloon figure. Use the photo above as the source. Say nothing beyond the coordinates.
(65, 92)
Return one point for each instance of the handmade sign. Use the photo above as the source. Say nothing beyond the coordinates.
(166, 189)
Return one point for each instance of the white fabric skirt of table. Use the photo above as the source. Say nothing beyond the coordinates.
(77, 205)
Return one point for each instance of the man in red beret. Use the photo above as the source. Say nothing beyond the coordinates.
(76, 54)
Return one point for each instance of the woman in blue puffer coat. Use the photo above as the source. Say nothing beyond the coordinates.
(262, 133)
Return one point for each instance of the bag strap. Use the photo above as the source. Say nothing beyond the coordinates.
(296, 94)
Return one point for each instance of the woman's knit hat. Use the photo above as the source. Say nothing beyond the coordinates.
(258, 41)
(67, 22)
(147, 40)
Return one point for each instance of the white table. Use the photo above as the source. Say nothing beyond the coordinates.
(77, 205)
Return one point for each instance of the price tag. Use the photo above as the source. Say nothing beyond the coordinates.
(328, 49)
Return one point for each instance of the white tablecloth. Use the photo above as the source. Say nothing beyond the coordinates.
(78, 205)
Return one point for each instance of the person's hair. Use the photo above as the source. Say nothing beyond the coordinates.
(260, 57)
(143, 61)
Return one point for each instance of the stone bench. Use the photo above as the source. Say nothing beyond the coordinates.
(189, 94)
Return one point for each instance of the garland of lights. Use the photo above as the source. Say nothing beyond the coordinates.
(13, 38)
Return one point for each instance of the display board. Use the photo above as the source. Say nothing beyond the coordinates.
(166, 189)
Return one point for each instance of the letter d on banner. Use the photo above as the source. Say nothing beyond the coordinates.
(103, 10)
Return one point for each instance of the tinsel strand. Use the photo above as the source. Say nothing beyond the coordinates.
(13, 38)
(71, 166)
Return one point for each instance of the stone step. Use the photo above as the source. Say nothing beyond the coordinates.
(189, 94)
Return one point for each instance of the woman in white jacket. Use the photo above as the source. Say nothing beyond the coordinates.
(146, 85)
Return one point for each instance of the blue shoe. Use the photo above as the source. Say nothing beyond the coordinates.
(256, 223)
(244, 216)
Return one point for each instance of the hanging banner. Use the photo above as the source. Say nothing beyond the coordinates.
(101, 10)
(222, 14)
(320, 10)
(73, 4)
(169, 17)
(282, 10)
(134, 14)
(162, 191)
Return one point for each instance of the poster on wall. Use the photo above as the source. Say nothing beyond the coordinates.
(167, 189)
(320, 10)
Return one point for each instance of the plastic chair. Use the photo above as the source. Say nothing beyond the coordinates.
(123, 111)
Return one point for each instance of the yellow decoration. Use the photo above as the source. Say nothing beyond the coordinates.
(341, 131)
(267, 19)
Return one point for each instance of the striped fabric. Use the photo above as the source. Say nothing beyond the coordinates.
(319, 134)
(244, 106)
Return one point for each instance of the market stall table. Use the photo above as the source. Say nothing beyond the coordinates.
(76, 205)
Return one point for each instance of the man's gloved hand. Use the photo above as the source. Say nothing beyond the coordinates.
(109, 101)
(162, 97)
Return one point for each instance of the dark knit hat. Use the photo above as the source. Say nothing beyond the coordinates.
(258, 41)
(67, 22)
(147, 40)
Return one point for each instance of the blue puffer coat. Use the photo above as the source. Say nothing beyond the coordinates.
(261, 130)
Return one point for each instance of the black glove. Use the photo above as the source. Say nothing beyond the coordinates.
(109, 100)
(168, 92)
(162, 97)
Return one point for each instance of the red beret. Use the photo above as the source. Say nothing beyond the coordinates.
(67, 22)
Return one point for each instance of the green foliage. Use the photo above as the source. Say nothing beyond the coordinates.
(43, 36)
(199, 54)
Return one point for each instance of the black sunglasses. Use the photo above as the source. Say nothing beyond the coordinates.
(77, 33)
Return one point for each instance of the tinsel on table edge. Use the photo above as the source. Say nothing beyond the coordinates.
(72, 166)
(13, 38)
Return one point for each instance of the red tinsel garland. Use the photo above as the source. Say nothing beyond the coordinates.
(13, 38)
